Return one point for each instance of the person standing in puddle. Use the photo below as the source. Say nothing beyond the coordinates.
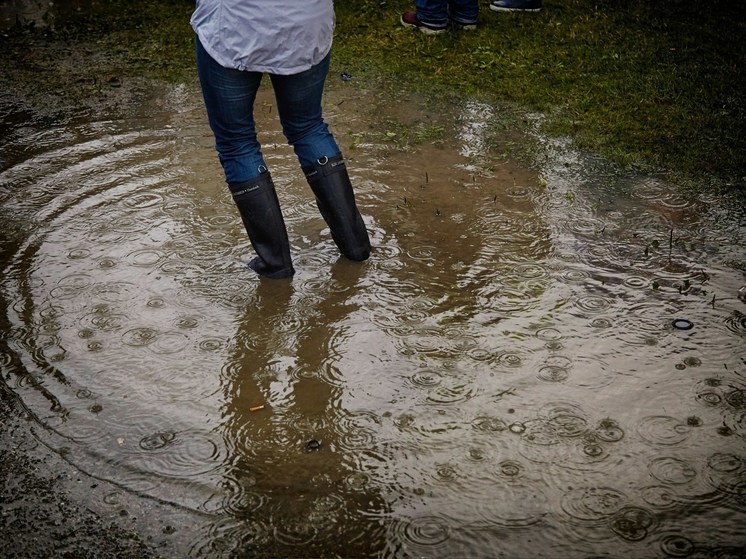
(238, 41)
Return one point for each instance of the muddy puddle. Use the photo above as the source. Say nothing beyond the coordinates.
(534, 362)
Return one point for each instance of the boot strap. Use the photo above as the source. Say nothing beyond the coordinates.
(329, 166)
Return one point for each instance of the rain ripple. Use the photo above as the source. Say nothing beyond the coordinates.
(228, 536)
(453, 391)
(434, 342)
(676, 545)
(357, 430)
(188, 454)
(663, 430)
(489, 424)
(633, 523)
(727, 472)
(421, 535)
(238, 497)
(671, 470)
(659, 496)
(592, 304)
(530, 271)
(736, 323)
(425, 379)
(518, 506)
(644, 323)
(593, 503)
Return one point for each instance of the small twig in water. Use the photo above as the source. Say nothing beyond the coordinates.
(509, 391)
(670, 245)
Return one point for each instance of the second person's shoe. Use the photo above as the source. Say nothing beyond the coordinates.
(464, 26)
(410, 19)
(515, 5)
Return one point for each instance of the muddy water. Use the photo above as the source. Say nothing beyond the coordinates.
(502, 377)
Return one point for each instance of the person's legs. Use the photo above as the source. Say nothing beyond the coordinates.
(432, 13)
(229, 99)
(463, 12)
(299, 105)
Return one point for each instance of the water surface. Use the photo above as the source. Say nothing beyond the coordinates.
(502, 378)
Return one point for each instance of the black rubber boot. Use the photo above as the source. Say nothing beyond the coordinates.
(260, 211)
(331, 185)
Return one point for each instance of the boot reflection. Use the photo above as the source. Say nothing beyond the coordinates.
(289, 473)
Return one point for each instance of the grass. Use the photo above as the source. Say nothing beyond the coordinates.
(652, 83)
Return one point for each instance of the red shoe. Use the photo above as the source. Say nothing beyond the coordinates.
(409, 19)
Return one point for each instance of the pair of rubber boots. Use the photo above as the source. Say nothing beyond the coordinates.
(261, 215)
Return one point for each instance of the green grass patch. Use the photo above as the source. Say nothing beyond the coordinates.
(656, 83)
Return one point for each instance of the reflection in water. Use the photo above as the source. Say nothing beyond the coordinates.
(502, 376)
(292, 474)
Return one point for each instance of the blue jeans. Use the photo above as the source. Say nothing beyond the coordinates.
(229, 96)
(437, 12)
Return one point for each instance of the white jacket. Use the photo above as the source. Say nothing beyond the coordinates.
(273, 36)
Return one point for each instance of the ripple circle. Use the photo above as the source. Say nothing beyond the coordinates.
(595, 503)
(673, 471)
(632, 523)
(663, 430)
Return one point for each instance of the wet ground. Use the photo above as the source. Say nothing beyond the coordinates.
(540, 359)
